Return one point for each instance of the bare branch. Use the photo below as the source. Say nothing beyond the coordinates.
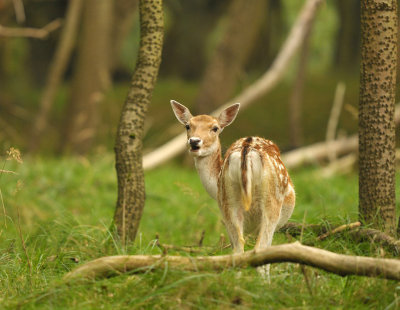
(7, 171)
(294, 252)
(36, 33)
(338, 229)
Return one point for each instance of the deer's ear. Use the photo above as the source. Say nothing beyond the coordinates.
(228, 115)
(182, 113)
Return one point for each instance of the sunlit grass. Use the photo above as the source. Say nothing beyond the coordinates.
(66, 207)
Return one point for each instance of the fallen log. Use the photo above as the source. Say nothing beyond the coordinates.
(319, 151)
(340, 264)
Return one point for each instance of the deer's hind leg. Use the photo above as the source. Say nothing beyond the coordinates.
(232, 212)
(287, 206)
(270, 213)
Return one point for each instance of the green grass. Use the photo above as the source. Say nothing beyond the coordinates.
(66, 206)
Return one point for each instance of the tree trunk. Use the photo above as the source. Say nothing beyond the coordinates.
(124, 12)
(272, 32)
(376, 114)
(222, 73)
(186, 39)
(348, 36)
(57, 70)
(91, 77)
(128, 146)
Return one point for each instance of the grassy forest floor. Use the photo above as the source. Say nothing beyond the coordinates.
(64, 208)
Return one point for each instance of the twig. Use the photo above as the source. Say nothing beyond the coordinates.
(221, 243)
(339, 229)
(186, 249)
(1, 195)
(294, 229)
(195, 249)
(4, 209)
(36, 33)
(295, 253)
(352, 111)
(306, 278)
(202, 238)
(302, 226)
(7, 171)
(161, 246)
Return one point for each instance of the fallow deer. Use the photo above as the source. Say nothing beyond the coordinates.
(254, 191)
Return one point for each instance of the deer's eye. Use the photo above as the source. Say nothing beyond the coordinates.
(215, 129)
(187, 127)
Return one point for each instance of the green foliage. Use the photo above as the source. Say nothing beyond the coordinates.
(66, 206)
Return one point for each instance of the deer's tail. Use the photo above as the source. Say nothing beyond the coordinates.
(246, 174)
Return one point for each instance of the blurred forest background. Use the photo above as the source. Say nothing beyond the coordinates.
(212, 50)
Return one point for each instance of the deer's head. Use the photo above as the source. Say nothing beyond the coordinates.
(203, 130)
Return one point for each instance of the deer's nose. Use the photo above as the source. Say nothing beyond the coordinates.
(195, 143)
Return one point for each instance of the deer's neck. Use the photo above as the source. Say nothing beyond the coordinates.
(208, 168)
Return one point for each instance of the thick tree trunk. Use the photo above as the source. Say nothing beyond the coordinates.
(376, 114)
(222, 73)
(91, 77)
(128, 146)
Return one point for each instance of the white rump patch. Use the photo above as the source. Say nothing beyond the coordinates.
(234, 167)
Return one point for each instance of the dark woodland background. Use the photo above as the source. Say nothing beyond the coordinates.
(198, 34)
